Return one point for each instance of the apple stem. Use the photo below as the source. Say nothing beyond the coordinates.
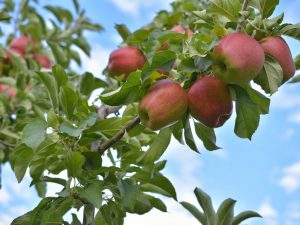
(244, 8)
(106, 145)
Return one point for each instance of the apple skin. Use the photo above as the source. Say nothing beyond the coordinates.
(278, 48)
(20, 43)
(43, 61)
(179, 29)
(165, 103)
(11, 91)
(210, 102)
(125, 60)
(237, 59)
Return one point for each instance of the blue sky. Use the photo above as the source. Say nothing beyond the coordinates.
(262, 174)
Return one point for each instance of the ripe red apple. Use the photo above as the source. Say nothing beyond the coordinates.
(11, 91)
(125, 60)
(237, 59)
(165, 102)
(210, 101)
(179, 29)
(43, 61)
(20, 43)
(278, 48)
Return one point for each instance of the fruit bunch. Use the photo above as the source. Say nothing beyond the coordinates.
(237, 59)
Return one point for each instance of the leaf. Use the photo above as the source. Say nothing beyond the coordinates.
(99, 219)
(262, 101)
(89, 83)
(75, 220)
(68, 128)
(157, 203)
(271, 76)
(206, 204)
(126, 93)
(34, 133)
(195, 212)
(207, 135)
(227, 8)
(112, 214)
(243, 216)
(83, 45)
(225, 212)
(265, 7)
(68, 100)
(188, 135)
(51, 87)
(74, 162)
(297, 62)
(129, 193)
(142, 205)
(248, 114)
(92, 192)
(20, 159)
(60, 75)
(157, 148)
(295, 79)
(59, 54)
(291, 30)
(123, 31)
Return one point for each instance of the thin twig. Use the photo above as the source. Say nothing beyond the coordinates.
(7, 144)
(244, 8)
(119, 135)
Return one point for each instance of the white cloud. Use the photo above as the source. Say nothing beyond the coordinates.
(286, 98)
(4, 197)
(267, 211)
(5, 219)
(295, 117)
(134, 7)
(291, 179)
(288, 134)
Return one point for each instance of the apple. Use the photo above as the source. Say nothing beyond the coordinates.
(11, 91)
(278, 48)
(43, 61)
(210, 102)
(20, 44)
(237, 59)
(165, 103)
(125, 60)
(179, 29)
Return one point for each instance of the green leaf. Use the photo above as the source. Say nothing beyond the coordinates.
(154, 189)
(188, 135)
(123, 31)
(207, 135)
(291, 30)
(126, 93)
(225, 212)
(34, 133)
(68, 100)
(129, 193)
(83, 45)
(93, 160)
(41, 189)
(92, 192)
(20, 159)
(89, 83)
(206, 204)
(248, 114)
(271, 76)
(112, 214)
(297, 62)
(195, 212)
(157, 203)
(227, 8)
(163, 60)
(75, 220)
(51, 87)
(262, 101)
(295, 79)
(74, 162)
(60, 75)
(265, 7)
(157, 148)
(164, 183)
(59, 54)
(243, 216)
(76, 5)
(99, 219)
(52, 119)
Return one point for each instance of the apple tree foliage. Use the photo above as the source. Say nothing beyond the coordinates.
(49, 126)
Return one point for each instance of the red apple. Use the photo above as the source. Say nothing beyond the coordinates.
(278, 48)
(11, 91)
(179, 29)
(210, 101)
(237, 59)
(43, 61)
(20, 43)
(15, 51)
(165, 103)
(125, 60)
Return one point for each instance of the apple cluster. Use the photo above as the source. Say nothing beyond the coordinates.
(21, 46)
(236, 60)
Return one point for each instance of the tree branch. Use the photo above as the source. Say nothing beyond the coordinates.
(101, 149)
(104, 110)
(244, 8)
(7, 144)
